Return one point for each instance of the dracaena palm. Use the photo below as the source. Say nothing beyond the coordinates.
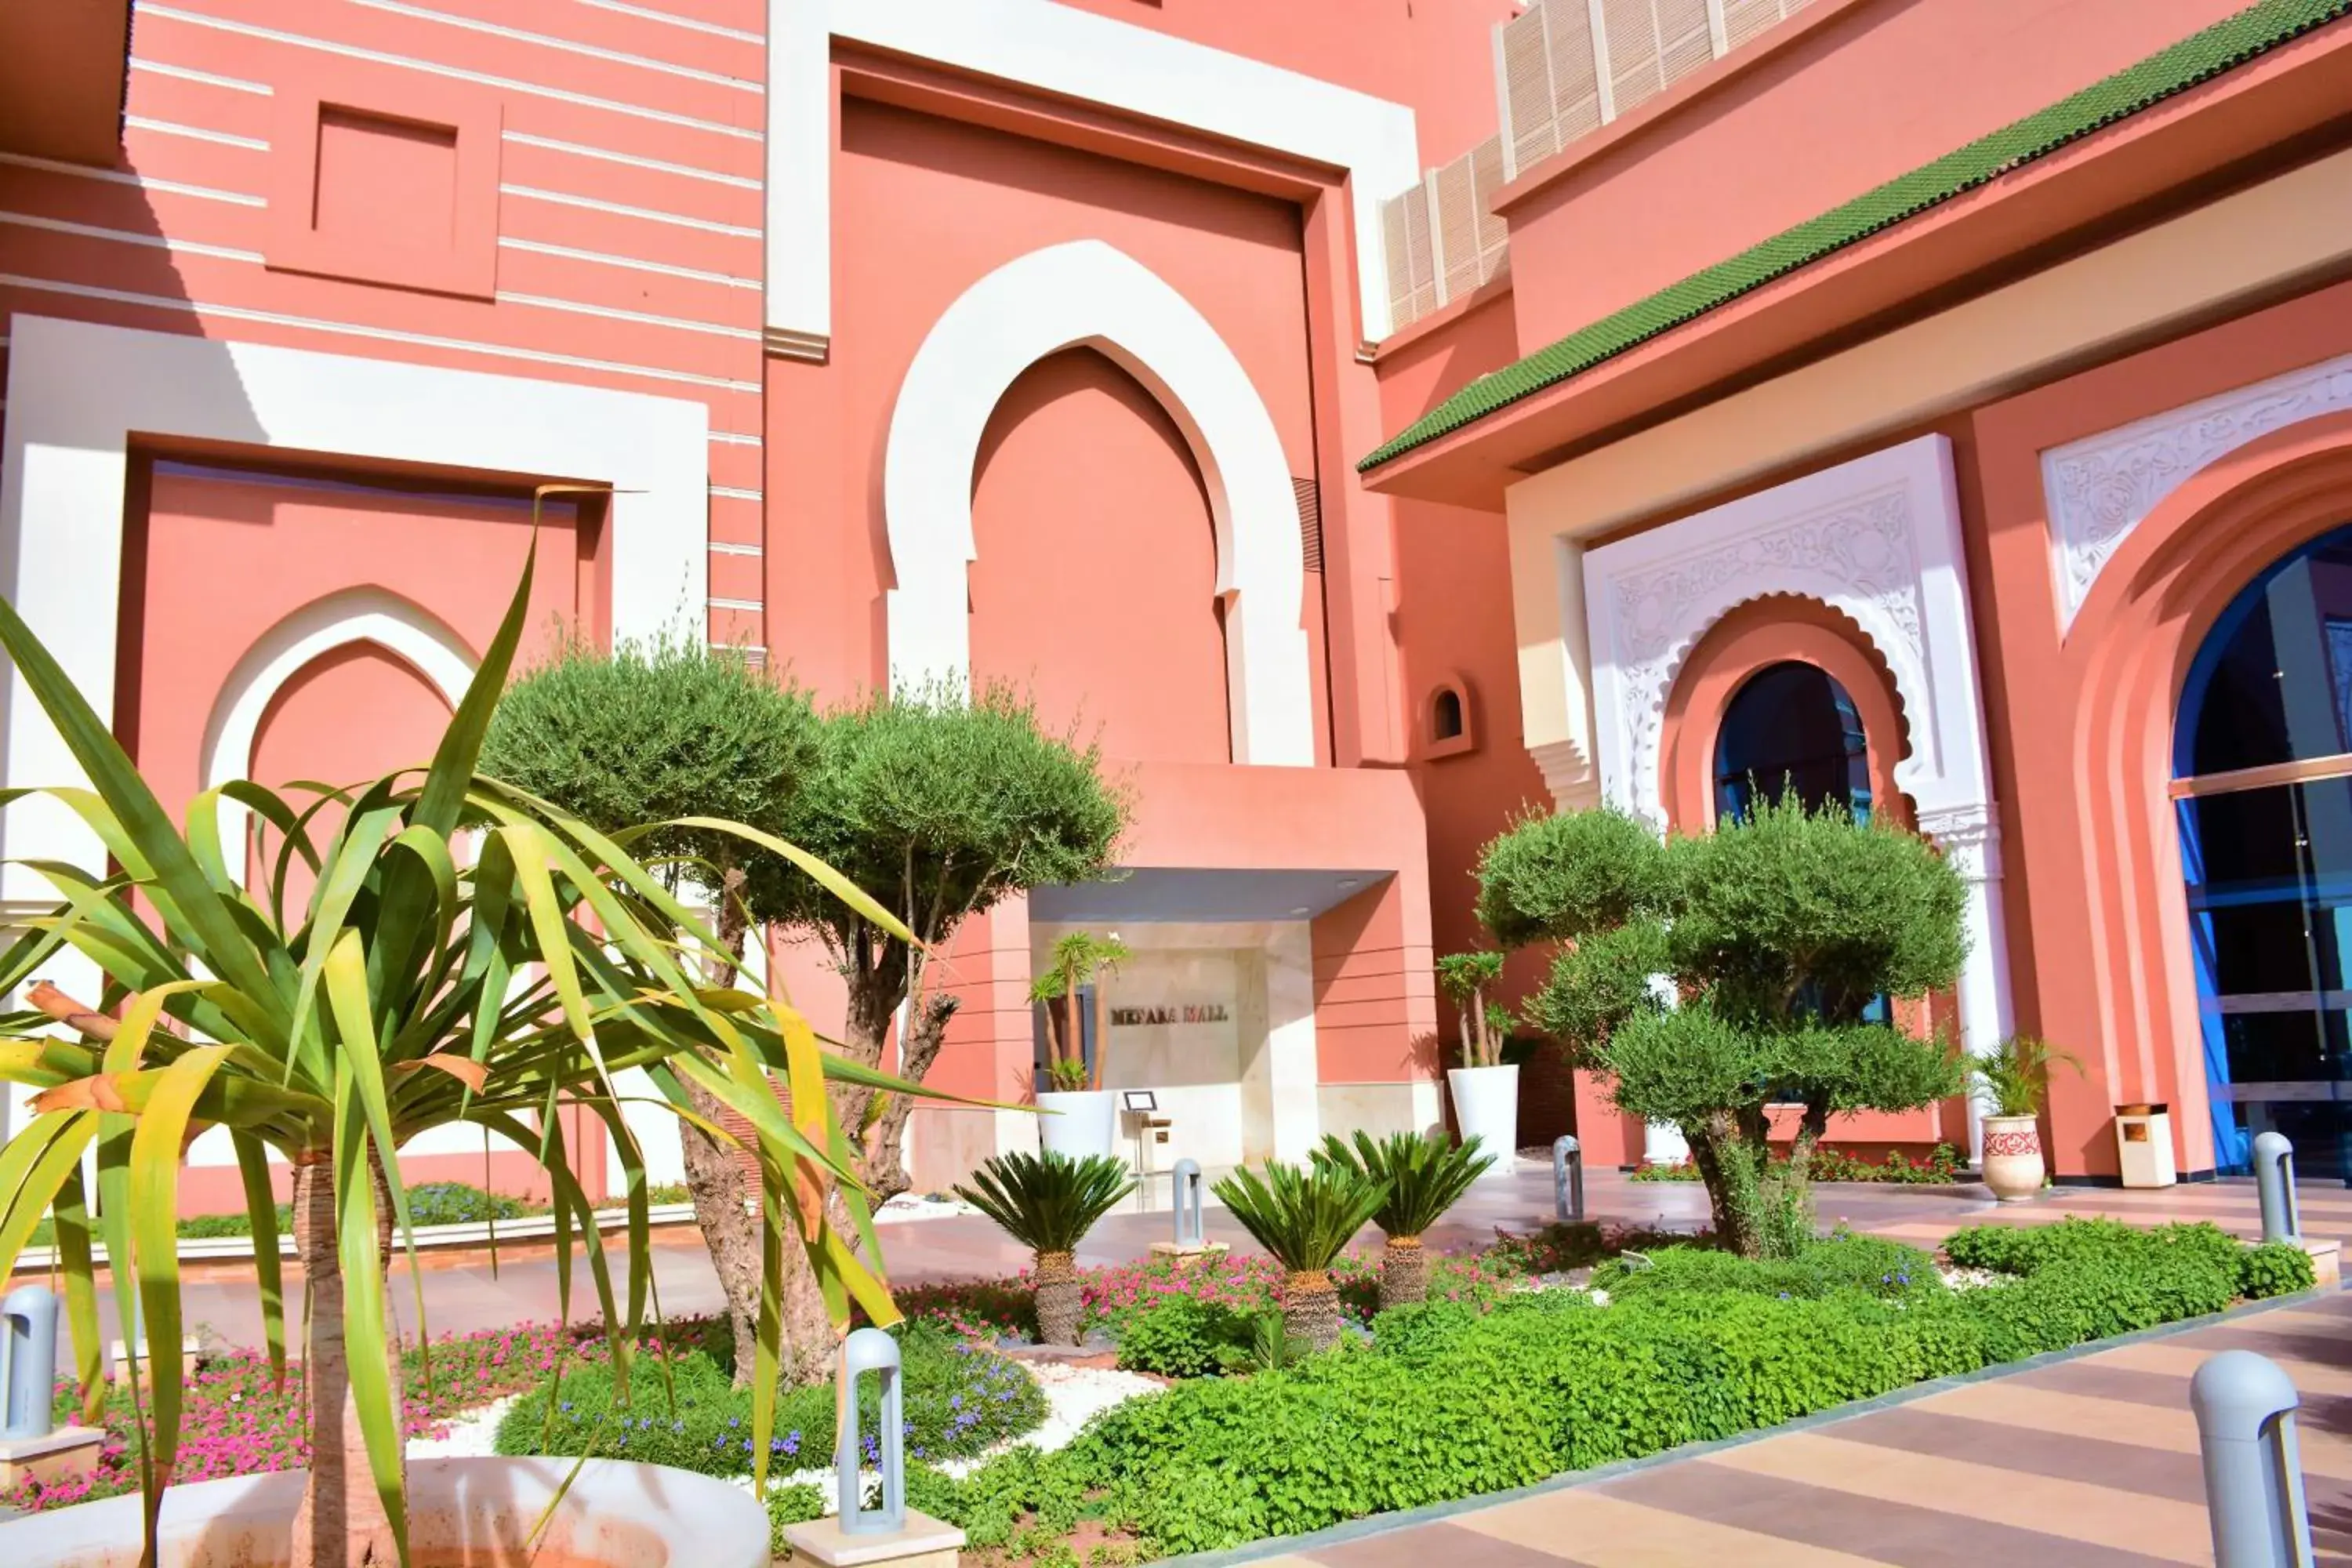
(1423, 1177)
(1047, 1203)
(1305, 1218)
(465, 953)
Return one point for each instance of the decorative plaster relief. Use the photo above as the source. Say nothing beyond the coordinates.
(2099, 489)
(1876, 539)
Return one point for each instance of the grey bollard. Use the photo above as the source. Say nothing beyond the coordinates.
(1568, 1180)
(2275, 1184)
(2254, 1477)
(1184, 1197)
(28, 1361)
(871, 1349)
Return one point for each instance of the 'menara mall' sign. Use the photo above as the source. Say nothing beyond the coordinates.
(1191, 1012)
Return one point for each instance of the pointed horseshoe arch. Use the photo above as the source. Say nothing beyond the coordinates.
(286, 650)
(1088, 294)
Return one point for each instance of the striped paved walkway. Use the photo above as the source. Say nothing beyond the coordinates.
(2089, 1463)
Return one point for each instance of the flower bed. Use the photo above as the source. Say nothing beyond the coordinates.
(1940, 1168)
(1454, 1399)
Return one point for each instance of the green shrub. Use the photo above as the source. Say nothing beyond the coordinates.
(455, 1203)
(788, 1506)
(959, 1400)
(1418, 1332)
(2100, 1242)
(2274, 1268)
(1839, 1262)
(1181, 1336)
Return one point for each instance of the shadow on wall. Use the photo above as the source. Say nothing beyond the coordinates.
(95, 250)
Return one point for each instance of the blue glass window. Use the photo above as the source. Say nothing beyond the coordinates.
(1791, 729)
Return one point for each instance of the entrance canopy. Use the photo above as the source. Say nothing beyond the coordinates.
(1162, 893)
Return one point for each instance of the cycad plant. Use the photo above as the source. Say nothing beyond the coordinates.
(1047, 1203)
(1304, 1218)
(465, 954)
(1423, 1177)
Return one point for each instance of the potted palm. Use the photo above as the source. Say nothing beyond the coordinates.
(1081, 1117)
(2015, 1079)
(466, 954)
(1304, 1219)
(1486, 1092)
(1047, 1203)
(1421, 1178)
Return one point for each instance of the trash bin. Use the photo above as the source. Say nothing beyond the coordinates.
(2143, 1145)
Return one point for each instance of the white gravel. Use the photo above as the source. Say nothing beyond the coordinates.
(470, 1434)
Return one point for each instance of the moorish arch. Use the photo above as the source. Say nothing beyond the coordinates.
(2156, 601)
(1875, 543)
(1088, 294)
(354, 616)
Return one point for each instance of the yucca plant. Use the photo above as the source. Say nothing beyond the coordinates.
(465, 953)
(1047, 1203)
(1304, 1218)
(1423, 1178)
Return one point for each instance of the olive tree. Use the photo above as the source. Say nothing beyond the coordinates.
(1707, 979)
(938, 806)
(660, 732)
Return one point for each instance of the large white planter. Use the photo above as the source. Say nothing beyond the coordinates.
(1088, 1122)
(462, 1513)
(1486, 1109)
(2013, 1167)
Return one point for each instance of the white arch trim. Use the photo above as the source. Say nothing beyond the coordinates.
(286, 650)
(2101, 488)
(1879, 540)
(1088, 294)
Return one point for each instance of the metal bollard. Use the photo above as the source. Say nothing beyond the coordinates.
(1184, 1197)
(871, 1349)
(2254, 1477)
(2275, 1184)
(28, 1361)
(1568, 1180)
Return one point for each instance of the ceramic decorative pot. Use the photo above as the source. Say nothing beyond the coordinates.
(1088, 1122)
(1486, 1109)
(2013, 1167)
(463, 1513)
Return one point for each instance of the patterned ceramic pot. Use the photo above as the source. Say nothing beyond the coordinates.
(2013, 1167)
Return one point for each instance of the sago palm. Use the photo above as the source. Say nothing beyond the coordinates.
(1305, 1218)
(465, 954)
(1047, 1203)
(1423, 1178)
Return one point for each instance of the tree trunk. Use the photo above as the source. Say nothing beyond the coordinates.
(1404, 1272)
(714, 1180)
(1731, 1188)
(1310, 1308)
(341, 1522)
(882, 1162)
(716, 1183)
(1059, 1304)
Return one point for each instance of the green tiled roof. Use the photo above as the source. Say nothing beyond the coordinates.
(2199, 57)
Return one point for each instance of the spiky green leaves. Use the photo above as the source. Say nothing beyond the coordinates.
(1047, 1202)
(1305, 1218)
(1423, 1177)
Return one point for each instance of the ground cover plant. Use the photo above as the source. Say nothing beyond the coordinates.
(959, 1400)
(1940, 1168)
(1451, 1399)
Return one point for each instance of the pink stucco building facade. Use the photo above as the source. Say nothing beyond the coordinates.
(1282, 394)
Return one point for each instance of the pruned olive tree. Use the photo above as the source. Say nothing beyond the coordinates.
(1707, 979)
(660, 732)
(938, 806)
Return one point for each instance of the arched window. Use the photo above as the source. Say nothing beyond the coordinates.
(2263, 779)
(1445, 716)
(1792, 729)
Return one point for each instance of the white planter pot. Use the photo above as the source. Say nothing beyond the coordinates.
(2013, 1167)
(1486, 1109)
(1088, 1122)
(461, 1513)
